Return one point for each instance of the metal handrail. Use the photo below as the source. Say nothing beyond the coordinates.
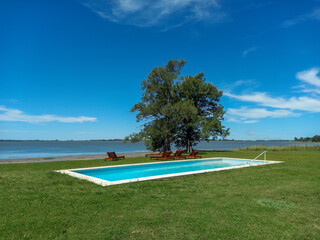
(265, 155)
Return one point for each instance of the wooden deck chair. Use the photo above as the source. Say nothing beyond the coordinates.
(113, 156)
(154, 154)
(178, 154)
(165, 155)
(194, 154)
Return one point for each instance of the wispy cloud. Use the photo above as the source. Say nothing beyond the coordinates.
(251, 115)
(15, 115)
(249, 50)
(148, 13)
(313, 15)
(282, 107)
(257, 113)
(250, 121)
(294, 103)
(305, 89)
(239, 84)
(310, 76)
(311, 81)
(243, 82)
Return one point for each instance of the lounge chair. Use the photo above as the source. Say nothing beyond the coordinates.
(178, 154)
(113, 156)
(165, 155)
(154, 154)
(194, 154)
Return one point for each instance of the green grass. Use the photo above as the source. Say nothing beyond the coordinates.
(280, 201)
(282, 148)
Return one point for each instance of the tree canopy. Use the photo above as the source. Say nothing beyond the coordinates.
(315, 138)
(179, 110)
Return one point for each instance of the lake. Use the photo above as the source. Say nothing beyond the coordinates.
(34, 149)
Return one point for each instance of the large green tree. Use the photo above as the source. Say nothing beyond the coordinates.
(182, 110)
(204, 120)
(157, 107)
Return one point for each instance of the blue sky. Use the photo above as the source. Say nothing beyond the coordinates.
(72, 69)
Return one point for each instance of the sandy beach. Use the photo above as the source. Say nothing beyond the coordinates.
(69, 158)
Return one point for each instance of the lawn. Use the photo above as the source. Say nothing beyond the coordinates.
(280, 201)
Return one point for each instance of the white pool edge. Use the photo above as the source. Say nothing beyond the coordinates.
(109, 183)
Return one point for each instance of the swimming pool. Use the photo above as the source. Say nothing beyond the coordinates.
(112, 175)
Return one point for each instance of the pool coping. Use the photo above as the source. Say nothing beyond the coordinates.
(109, 183)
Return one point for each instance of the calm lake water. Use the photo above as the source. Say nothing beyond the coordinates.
(30, 149)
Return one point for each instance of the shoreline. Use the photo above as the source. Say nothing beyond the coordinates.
(69, 158)
(84, 157)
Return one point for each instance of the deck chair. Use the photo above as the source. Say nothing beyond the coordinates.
(113, 156)
(178, 154)
(154, 154)
(165, 155)
(194, 154)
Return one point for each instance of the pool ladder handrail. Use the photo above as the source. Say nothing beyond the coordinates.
(265, 155)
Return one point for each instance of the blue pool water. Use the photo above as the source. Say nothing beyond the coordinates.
(148, 170)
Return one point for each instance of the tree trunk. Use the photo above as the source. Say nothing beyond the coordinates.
(166, 146)
(189, 146)
(189, 143)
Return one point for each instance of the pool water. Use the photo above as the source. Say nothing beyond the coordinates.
(120, 173)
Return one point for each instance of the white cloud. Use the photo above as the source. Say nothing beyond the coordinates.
(245, 52)
(257, 113)
(250, 121)
(232, 119)
(243, 82)
(293, 103)
(284, 107)
(311, 81)
(310, 90)
(148, 13)
(313, 15)
(310, 76)
(15, 115)
(239, 84)
(130, 5)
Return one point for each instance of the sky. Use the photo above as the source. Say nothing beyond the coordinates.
(72, 69)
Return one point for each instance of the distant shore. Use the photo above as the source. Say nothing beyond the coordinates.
(25, 152)
(82, 157)
(121, 140)
(69, 158)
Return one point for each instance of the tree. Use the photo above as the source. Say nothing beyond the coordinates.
(157, 107)
(182, 110)
(204, 116)
(315, 138)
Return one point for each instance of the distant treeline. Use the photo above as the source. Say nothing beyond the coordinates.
(91, 140)
(244, 140)
(121, 140)
(315, 138)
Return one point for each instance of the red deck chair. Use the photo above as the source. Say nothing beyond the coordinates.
(154, 154)
(194, 154)
(113, 156)
(178, 154)
(165, 155)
